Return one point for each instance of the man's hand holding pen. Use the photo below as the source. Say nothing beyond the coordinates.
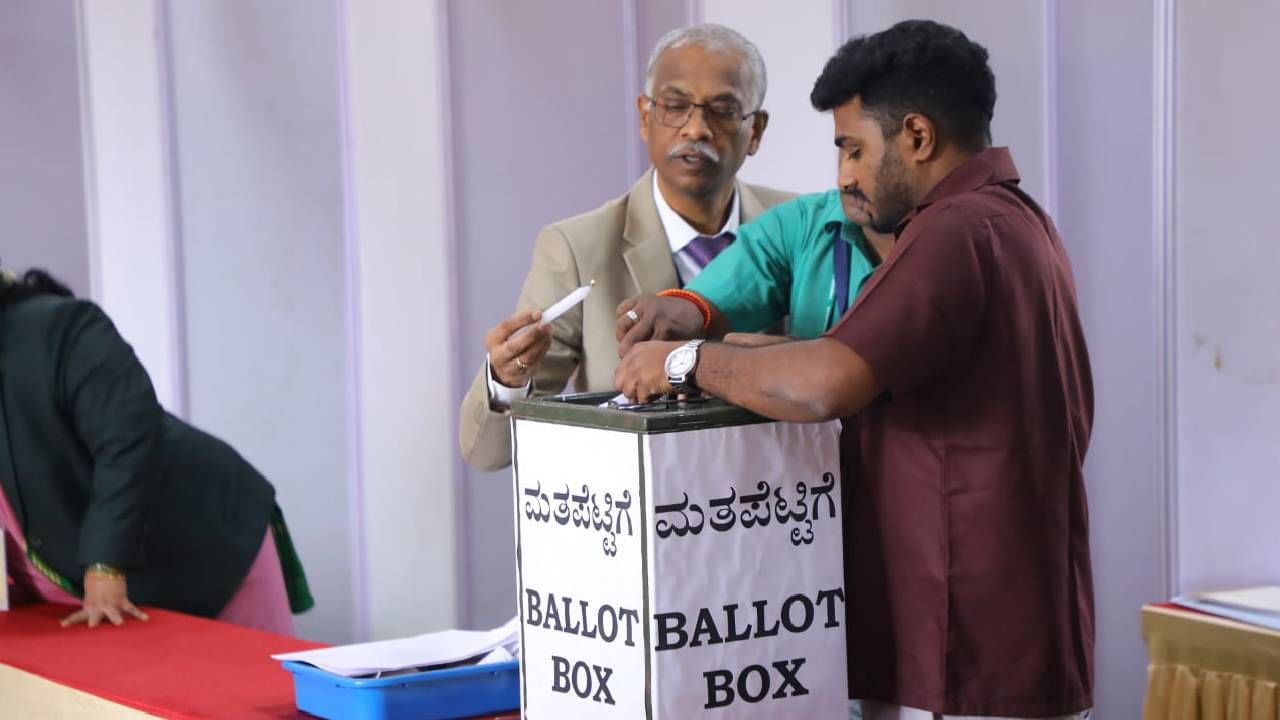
(513, 355)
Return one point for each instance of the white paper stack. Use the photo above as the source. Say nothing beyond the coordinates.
(1255, 606)
(417, 652)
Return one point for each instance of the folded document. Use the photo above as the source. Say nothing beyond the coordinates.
(1258, 606)
(417, 652)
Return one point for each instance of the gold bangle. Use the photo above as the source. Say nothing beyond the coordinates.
(105, 570)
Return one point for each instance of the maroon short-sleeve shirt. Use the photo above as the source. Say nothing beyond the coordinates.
(966, 546)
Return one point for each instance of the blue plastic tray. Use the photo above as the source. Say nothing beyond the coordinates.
(460, 692)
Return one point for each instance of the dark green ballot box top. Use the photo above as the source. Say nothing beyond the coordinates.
(585, 410)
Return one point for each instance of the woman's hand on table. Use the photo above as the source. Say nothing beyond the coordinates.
(106, 597)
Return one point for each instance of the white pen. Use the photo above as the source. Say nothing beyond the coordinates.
(561, 307)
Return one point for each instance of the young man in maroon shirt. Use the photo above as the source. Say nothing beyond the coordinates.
(962, 374)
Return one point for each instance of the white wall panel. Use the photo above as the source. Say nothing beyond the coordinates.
(797, 153)
(1228, 329)
(398, 247)
(132, 239)
(41, 177)
(1106, 213)
(258, 145)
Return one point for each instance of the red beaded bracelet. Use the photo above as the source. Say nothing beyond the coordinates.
(703, 306)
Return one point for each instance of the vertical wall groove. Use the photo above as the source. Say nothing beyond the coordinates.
(181, 399)
(457, 377)
(355, 430)
(1051, 139)
(1164, 226)
(631, 86)
(693, 11)
(89, 150)
(841, 22)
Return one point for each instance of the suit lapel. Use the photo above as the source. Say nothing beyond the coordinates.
(648, 254)
(750, 205)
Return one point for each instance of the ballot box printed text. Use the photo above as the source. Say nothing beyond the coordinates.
(681, 574)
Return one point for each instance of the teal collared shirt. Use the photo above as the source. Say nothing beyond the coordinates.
(782, 264)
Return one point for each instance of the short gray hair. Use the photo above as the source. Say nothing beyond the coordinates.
(719, 38)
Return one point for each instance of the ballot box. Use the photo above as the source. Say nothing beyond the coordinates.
(677, 561)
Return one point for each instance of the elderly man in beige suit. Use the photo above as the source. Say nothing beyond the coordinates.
(700, 116)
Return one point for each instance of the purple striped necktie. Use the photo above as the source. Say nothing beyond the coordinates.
(704, 248)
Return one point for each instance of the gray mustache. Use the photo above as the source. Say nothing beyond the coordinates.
(694, 148)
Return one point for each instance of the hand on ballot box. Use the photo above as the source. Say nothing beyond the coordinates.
(651, 317)
(642, 374)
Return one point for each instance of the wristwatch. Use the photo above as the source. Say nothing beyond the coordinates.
(681, 363)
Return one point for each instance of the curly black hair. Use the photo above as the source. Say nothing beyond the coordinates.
(916, 66)
(30, 284)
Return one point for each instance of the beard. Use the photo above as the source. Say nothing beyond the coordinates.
(894, 197)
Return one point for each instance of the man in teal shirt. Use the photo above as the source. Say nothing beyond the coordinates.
(803, 260)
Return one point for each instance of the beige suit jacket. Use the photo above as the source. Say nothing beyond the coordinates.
(623, 247)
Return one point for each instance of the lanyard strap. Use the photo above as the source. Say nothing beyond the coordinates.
(841, 262)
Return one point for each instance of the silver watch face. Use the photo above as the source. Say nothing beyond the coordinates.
(681, 361)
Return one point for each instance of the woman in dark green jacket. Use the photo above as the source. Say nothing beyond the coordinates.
(105, 499)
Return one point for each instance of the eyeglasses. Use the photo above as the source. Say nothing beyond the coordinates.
(722, 115)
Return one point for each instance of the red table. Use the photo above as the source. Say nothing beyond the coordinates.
(173, 666)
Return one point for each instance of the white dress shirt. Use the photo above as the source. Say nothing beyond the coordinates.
(680, 233)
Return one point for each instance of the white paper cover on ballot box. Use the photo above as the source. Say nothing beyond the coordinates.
(683, 574)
